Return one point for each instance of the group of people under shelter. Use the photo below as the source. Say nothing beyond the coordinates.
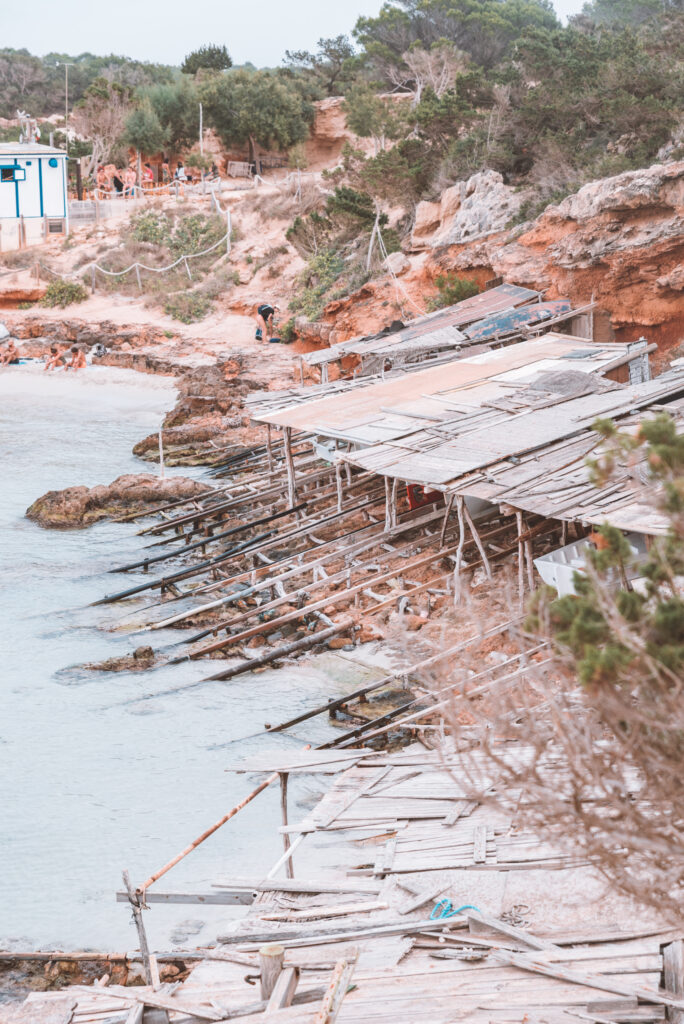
(113, 181)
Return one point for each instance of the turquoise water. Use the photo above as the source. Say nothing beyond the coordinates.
(99, 773)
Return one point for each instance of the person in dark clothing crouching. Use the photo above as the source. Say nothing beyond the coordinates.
(265, 316)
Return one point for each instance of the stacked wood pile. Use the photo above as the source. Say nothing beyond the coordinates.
(448, 910)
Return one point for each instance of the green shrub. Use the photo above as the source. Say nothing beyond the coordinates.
(187, 306)
(150, 226)
(195, 233)
(321, 273)
(61, 292)
(451, 289)
(287, 331)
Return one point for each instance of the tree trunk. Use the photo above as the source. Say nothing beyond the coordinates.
(254, 154)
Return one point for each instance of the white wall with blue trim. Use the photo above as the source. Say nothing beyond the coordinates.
(33, 181)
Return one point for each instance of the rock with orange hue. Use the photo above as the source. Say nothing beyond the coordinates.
(133, 492)
(414, 622)
(338, 642)
(329, 132)
(619, 239)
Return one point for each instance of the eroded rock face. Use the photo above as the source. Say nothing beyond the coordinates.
(467, 210)
(620, 240)
(83, 332)
(76, 507)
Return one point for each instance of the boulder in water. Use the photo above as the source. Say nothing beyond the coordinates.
(76, 507)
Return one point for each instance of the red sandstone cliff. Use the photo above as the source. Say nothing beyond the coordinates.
(619, 239)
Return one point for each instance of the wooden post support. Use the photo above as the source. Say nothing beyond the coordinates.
(521, 560)
(136, 908)
(92, 279)
(283, 809)
(459, 550)
(478, 542)
(393, 502)
(530, 564)
(289, 463)
(673, 971)
(269, 447)
(447, 513)
(388, 512)
(271, 959)
(137, 274)
(338, 479)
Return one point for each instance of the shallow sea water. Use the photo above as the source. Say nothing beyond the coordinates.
(106, 771)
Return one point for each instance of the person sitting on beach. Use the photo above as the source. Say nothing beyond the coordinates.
(56, 357)
(264, 319)
(9, 354)
(77, 361)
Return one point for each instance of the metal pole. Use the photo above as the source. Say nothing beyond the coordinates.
(201, 141)
(66, 108)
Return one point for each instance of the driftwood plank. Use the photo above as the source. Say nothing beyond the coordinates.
(480, 844)
(483, 922)
(604, 982)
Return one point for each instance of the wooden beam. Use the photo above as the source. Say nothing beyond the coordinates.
(291, 479)
(283, 813)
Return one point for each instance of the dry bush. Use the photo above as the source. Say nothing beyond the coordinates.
(294, 198)
(552, 171)
(587, 746)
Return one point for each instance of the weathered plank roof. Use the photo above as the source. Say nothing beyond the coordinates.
(441, 327)
(388, 409)
(535, 460)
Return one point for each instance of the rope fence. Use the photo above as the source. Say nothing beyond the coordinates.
(137, 266)
(169, 188)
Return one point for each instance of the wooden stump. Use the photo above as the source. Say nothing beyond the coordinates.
(271, 959)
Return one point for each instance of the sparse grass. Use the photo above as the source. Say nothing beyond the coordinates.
(220, 282)
(289, 202)
(19, 260)
(534, 206)
(188, 307)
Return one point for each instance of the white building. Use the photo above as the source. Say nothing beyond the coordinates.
(33, 194)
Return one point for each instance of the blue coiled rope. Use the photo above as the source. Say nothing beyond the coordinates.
(445, 908)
